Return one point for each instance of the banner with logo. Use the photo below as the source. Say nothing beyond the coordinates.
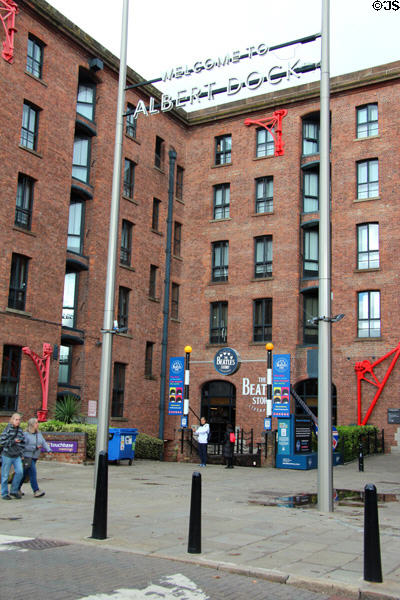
(176, 385)
(281, 386)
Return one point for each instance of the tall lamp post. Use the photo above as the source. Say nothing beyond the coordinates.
(325, 476)
(108, 331)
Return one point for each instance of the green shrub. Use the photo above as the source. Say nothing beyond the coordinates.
(68, 409)
(148, 447)
(350, 437)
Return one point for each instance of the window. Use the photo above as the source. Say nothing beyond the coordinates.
(368, 246)
(30, 124)
(65, 364)
(126, 243)
(367, 179)
(179, 182)
(310, 252)
(223, 149)
(310, 191)
(221, 201)
(23, 209)
(81, 159)
(159, 153)
(262, 320)
(130, 123)
(86, 100)
(265, 145)
(174, 301)
(18, 282)
(177, 239)
(118, 392)
(123, 307)
(310, 136)
(75, 226)
(70, 299)
(148, 361)
(263, 256)
(367, 120)
(129, 178)
(310, 310)
(220, 261)
(156, 214)
(264, 194)
(218, 322)
(369, 314)
(10, 378)
(153, 281)
(34, 57)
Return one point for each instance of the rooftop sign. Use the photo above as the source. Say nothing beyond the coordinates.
(272, 75)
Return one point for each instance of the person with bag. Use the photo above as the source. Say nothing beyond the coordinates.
(34, 445)
(203, 433)
(229, 446)
(12, 443)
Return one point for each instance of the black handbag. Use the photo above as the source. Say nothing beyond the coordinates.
(27, 462)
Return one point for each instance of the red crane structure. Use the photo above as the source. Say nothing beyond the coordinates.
(42, 364)
(365, 372)
(8, 10)
(274, 126)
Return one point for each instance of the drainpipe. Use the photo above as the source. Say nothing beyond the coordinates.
(164, 343)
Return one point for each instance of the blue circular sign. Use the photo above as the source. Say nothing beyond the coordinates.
(226, 361)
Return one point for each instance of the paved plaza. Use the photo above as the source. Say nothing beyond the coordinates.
(244, 531)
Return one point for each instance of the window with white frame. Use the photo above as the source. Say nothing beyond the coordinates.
(367, 120)
(369, 314)
(367, 179)
(368, 246)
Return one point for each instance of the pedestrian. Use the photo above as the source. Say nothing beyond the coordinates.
(34, 445)
(229, 446)
(203, 433)
(12, 445)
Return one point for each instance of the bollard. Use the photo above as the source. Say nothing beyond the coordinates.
(372, 550)
(360, 457)
(194, 544)
(99, 525)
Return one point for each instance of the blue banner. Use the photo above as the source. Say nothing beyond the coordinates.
(176, 385)
(281, 386)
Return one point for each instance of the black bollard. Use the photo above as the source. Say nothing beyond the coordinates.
(360, 457)
(194, 544)
(99, 525)
(372, 549)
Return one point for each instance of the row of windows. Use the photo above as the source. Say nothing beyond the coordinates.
(366, 126)
(367, 253)
(368, 320)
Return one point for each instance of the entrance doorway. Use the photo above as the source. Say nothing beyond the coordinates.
(308, 392)
(218, 406)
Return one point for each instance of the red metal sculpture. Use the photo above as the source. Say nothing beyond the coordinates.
(365, 368)
(274, 126)
(8, 10)
(42, 364)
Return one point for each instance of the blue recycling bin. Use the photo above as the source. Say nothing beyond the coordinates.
(121, 444)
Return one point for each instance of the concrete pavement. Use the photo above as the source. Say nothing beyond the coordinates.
(243, 530)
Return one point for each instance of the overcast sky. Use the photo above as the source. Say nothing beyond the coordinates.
(165, 35)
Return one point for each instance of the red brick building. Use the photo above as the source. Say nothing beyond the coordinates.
(244, 265)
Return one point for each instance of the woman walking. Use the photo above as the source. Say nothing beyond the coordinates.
(229, 446)
(12, 446)
(34, 445)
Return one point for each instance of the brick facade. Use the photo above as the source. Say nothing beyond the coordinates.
(67, 53)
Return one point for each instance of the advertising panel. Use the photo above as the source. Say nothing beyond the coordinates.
(281, 386)
(176, 385)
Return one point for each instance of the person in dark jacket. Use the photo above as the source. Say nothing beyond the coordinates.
(34, 445)
(12, 444)
(228, 447)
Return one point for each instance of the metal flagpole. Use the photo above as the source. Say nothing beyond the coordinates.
(325, 478)
(108, 331)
